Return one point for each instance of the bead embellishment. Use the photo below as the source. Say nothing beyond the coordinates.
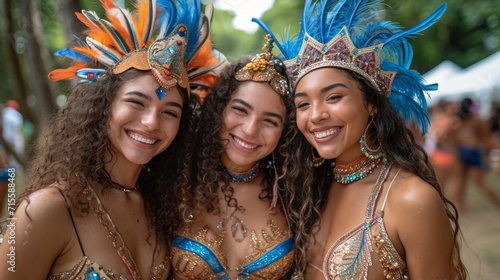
(356, 170)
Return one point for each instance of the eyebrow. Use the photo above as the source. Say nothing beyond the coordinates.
(147, 97)
(246, 104)
(323, 90)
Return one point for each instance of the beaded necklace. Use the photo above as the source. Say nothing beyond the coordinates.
(233, 177)
(356, 170)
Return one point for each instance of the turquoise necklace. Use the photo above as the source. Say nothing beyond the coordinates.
(233, 177)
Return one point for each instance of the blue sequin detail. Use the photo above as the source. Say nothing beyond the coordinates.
(270, 257)
(91, 274)
(161, 93)
(201, 250)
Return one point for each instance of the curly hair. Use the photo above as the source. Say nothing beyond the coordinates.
(201, 187)
(73, 144)
(406, 153)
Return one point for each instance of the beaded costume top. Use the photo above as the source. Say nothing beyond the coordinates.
(90, 270)
(270, 258)
(350, 257)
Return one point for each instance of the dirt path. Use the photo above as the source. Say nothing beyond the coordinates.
(481, 229)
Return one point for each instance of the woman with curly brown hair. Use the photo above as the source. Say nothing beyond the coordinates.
(235, 223)
(105, 169)
(372, 207)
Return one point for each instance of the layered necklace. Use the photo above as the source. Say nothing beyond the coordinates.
(356, 170)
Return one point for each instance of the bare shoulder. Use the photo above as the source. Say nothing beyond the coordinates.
(410, 195)
(43, 204)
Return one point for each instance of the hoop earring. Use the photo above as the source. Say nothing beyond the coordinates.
(317, 160)
(365, 148)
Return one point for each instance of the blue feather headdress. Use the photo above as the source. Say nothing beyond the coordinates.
(353, 35)
(163, 36)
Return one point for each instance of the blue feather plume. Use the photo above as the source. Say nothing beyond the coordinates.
(73, 55)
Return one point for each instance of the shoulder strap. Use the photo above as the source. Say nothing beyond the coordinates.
(72, 221)
(387, 194)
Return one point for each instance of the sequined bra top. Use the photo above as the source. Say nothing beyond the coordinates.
(351, 255)
(270, 258)
(87, 269)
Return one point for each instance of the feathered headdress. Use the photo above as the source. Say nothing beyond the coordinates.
(353, 35)
(262, 68)
(163, 36)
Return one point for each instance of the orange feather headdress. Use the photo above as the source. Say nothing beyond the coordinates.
(164, 36)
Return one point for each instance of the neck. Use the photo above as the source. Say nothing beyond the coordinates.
(124, 174)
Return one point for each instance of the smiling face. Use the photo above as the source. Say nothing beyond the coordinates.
(252, 125)
(331, 113)
(141, 126)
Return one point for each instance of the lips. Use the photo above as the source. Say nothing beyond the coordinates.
(141, 138)
(323, 134)
(244, 144)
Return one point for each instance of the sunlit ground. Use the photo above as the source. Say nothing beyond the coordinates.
(481, 228)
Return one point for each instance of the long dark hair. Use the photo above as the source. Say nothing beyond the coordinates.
(72, 146)
(405, 152)
(201, 188)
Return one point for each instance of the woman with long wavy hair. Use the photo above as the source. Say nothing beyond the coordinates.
(103, 172)
(371, 207)
(236, 225)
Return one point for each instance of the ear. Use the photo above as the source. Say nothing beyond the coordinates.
(372, 110)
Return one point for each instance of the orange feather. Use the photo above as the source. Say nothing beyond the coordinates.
(204, 57)
(68, 73)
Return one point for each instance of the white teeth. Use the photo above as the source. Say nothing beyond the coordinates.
(244, 145)
(141, 139)
(324, 134)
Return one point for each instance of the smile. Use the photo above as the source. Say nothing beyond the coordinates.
(324, 134)
(243, 144)
(141, 139)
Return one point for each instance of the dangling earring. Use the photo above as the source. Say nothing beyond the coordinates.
(317, 160)
(272, 164)
(365, 148)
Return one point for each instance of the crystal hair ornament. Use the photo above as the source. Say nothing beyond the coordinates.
(163, 36)
(262, 68)
(353, 35)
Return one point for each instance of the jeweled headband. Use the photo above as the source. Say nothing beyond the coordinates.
(352, 35)
(160, 35)
(262, 68)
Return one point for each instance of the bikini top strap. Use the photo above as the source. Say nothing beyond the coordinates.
(387, 193)
(72, 221)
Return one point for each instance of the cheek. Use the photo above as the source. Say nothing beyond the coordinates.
(301, 119)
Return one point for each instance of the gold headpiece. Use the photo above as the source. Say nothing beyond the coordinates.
(262, 68)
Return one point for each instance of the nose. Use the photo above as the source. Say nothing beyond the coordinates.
(318, 113)
(250, 127)
(150, 120)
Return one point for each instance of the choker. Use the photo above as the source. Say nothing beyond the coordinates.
(356, 170)
(233, 177)
(122, 188)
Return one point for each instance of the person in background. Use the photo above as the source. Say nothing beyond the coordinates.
(12, 120)
(105, 171)
(469, 138)
(236, 225)
(372, 207)
(442, 155)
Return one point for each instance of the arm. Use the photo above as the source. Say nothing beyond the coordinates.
(424, 231)
(35, 237)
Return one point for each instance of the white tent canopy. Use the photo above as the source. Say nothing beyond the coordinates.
(481, 82)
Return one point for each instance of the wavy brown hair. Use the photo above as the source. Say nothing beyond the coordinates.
(405, 152)
(201, 187)
(71, 152)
